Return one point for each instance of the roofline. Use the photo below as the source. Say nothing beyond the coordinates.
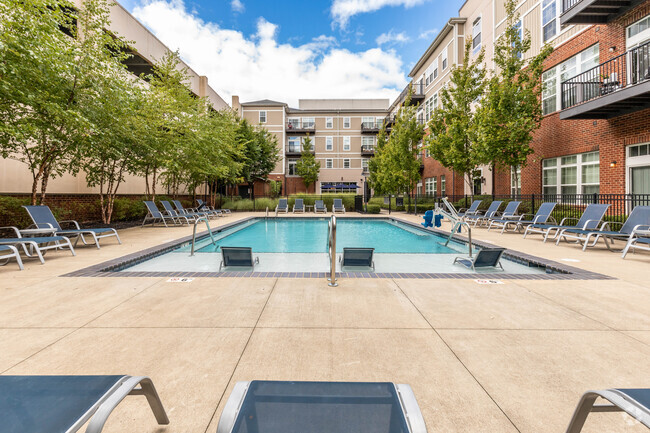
(436, 42)
(338, 110)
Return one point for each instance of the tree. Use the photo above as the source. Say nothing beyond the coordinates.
(453, 137)
(307, 167)
(511, 111)
(260, 152)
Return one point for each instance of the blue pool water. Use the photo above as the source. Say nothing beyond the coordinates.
(293, 235)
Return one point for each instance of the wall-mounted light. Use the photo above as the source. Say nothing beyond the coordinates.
(612, 48)
(612, 164)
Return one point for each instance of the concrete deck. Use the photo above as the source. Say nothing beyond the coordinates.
(480, 358)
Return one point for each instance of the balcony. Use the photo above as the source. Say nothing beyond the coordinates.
(370, 127)
(368, 150)
(593, 11)
(295, 150)
(300, 127)
(614, 88)
(416, 97)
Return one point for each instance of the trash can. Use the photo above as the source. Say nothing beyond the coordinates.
(358, 203)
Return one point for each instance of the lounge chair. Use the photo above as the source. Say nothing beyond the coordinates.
(37, 245)
(543, 214)
(46, 404)
(591, 218)
(43, 218)
(472, 210)
(638, 240)
(299, 206)
(338, 206)
(485, 258)
(639, 219)
(283, 206)
(178, 218)
(237, 257)
(358, 257)
(635, 402)
(482, 216)
(510, 212)
(8, 252)
(203, 206)
(153, 215)
(319, 206)
(192, 212)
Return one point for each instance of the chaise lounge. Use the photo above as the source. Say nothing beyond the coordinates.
(472, 210)
(338, 206)
(178, 218)
(37, 245)
(543, 214)
(319, 206)
(358, 257)
(239, 257)
(591, 218)
(634, 402)
(489, 213)
(485, 258)
(153, 215)
(283, 206)
(299, 206)
(10, 252)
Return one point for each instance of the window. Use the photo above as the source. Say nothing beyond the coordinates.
(346, 163)
(338, 187)
(308, 123)
(638, 166)
(329, 143)
(476, 35)
(640, 27)
(368, 122)
(262, 116)
(293, 123)
(572, 174)
(294, 144)
(430, 185)
(443, 186)
(515, 181)
(444, 58)
(549, 19)
(346, 143)
(435, 69)
(364, 165)
(329, 122)
(427, 109)
(367, 143)
(346, 123)
(292, 167)
(329, 163)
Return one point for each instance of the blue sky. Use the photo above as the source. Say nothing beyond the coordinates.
(287, 50)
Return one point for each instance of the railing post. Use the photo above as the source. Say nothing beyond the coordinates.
(532, 205)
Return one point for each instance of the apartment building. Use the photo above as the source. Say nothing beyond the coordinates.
(343, 134)
(595, 133)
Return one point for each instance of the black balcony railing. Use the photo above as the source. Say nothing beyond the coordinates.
(368, 149)
(295, 148)
(299, 126)
(417, 94)
(627, 69)
(371, 126)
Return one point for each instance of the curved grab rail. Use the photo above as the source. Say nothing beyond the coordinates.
(331, 244)
(457, 222)
(207, 224)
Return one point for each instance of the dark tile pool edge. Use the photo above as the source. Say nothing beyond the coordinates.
(115, 267)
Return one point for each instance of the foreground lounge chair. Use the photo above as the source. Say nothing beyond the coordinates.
(46, 404)
(543, 214)
(8, 252)
(240, 257)
(639, 219)
(635, 402)
(482, 216)
(319, 206)
(472, 210)
(338, 206)
(485, 258)
(178, 218)
(43, 218)
(153, 215)
(591, 218)
(37, 245)
(358, 257)
(283, 206)
(299, 206)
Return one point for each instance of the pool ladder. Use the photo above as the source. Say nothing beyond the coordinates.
(331, 248)
(196, 223)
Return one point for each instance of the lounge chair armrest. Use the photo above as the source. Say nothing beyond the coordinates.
(584, 227)
(15, 229)
(606, 225)
(641, 228)
(531, 215)
(565, 219)
(73, 222)
(41, 226)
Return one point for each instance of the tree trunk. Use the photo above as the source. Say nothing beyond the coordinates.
(37, 178)
(44, 180)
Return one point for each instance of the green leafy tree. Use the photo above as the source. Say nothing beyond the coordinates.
(453, 137)
(307, 167)
(260, 152)
(510, 111)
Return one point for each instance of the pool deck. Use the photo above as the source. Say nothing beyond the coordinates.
(511, 357)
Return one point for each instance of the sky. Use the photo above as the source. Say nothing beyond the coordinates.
(288, 50)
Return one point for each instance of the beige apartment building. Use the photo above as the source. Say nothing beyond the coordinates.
(343, 133)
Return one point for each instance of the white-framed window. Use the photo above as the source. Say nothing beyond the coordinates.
(346, 162)
(308, 122)
(572, 174)
(638, 169)
(329, 163)
(476, 35)
(368, 121)
(329, 122)
(444, 58)
(293, 123)
(364, 165)
(550, 10)
(638, 33)
(427, 109)
(329, 143)
(430, 185)
(552, 78)
(346, 143)
(295, 144)
(346, 123)
(443, 186)
(435, 69)
(292, 167)
(367, 143)
(262, 116)
(515, 181)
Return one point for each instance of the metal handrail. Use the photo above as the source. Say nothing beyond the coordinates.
(267, 212)
(453, 216)
(207, 224)
(331, 243)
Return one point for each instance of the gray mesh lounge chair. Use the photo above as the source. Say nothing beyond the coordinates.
(240, 257)
(191, 212)
(638, 240)
(37, 245)
(338, 206)
(639, 219)
(153, 215)
(299, 206)
(543, 214)
(485, 258)
(635, 402)
(43, 218)
(283, 206)
(472, 210)
(319, 206)
(47, 404)
(203, 206)
(358, 257)
(178, 218)
(8, 252)
(482, 216)
(510, 212)
(591, 218)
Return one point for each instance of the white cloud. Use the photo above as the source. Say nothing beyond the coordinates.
(392, 38)
(343, 10)
(428, 34)
(258, 67)
(237, 6)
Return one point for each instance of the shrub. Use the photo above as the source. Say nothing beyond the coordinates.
(262, 203)
(127, 209)
(12, 213)
(373, 208)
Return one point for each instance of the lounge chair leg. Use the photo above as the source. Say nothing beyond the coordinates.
(96, 240)
(119, 241)
(581, 413)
